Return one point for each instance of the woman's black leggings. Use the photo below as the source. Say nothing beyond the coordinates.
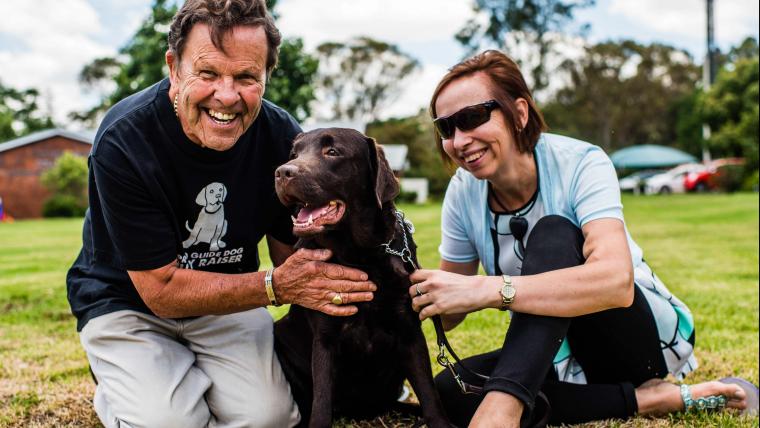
(619, 349)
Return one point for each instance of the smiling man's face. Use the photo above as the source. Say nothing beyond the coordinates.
(218, 93)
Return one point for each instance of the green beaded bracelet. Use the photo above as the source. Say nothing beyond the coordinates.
(710, 402)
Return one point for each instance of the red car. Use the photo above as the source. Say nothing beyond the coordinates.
(704, 180)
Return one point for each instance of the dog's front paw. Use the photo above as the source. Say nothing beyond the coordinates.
(222, 244)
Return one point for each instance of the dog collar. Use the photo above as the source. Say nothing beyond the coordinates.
(405, 254)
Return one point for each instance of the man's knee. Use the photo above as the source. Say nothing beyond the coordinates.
(265, 410)
(150, 410)
(168, 414)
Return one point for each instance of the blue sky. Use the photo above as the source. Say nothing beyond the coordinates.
(44, 43)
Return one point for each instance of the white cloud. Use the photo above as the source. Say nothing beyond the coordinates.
(418, 91)
(56, 38)
(733, 19)
(53, 39)
(398, 22)
(46, 17)
(428, 25)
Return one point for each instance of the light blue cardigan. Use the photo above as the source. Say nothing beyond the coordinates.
(577, 181)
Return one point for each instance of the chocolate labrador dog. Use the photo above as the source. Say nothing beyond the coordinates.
(342, 191)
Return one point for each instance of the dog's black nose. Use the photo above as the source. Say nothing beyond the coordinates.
(286, 172)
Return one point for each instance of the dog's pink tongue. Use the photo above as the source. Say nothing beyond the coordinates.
(305, 212)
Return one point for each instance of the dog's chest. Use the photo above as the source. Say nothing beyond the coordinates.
(381, 326)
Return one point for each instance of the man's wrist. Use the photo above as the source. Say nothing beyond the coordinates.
(269, 287)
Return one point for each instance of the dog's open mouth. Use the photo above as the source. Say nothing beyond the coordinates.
(312, 219)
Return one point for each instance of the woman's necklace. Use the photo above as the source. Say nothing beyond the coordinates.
(496, 198)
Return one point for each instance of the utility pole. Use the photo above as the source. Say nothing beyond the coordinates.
(708, 75)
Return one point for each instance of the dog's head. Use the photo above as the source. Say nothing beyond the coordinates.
(334, 174)
(211, 196)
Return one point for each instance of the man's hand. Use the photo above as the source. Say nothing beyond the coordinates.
(305, 279)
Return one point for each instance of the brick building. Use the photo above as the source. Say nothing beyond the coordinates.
(22, 162)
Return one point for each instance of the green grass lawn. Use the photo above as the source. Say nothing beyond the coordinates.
(704, 247)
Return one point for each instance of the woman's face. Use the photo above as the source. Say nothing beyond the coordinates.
(484, 149)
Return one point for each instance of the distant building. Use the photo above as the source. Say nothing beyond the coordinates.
(22, 162)
(396, 155)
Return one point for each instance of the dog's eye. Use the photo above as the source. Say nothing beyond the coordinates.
(292, 156)
(331, 152)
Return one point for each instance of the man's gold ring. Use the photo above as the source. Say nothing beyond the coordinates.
(337, 299)
(417, 287)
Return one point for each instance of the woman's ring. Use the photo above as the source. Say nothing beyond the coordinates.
(417, 287)
(337, 299)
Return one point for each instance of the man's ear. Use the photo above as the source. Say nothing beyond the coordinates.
(386, 185)
(173, 63)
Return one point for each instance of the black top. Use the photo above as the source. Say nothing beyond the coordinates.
(155, 197)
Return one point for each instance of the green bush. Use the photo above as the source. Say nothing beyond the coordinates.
(729, 178)
(67, 182)
(406, 197)
(752, 182)
(63, 206)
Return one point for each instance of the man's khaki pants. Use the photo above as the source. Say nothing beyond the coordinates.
(216, 371)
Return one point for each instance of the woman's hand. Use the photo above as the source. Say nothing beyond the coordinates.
(436, 292)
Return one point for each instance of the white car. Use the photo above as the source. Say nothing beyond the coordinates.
(635, 182)
(671, 181)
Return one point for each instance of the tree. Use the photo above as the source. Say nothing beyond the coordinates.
(417, 133)
(731, 109)
(20, 113)
(520, 25)
(291, 85)
(67, 182)
(141, 62)
(624, 93)
(360, 77)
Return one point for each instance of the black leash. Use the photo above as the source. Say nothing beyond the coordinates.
(542, 410)
(443, 360)
(443, 343)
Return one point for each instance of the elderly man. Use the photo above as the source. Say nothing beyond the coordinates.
(166, 289)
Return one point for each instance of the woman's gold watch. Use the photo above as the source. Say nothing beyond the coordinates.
(507, 292)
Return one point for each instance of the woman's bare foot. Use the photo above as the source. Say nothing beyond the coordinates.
(657, 397)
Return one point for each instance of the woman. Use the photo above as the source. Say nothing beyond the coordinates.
(542, 213)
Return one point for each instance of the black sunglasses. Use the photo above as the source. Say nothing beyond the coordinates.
(465, 119)
(518, 227)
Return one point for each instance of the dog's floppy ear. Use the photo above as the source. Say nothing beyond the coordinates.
(386, 185)
(201, 198)
(224, 192)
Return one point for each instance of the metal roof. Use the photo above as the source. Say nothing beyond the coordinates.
(82, 136)
(649, 156)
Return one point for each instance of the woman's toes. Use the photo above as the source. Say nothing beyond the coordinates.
(735, 395)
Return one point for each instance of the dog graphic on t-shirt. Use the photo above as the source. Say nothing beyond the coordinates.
(210, 226)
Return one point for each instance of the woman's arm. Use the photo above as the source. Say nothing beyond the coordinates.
(452, 320)
(604, 281)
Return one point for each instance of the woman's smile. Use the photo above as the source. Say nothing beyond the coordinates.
(472, 157)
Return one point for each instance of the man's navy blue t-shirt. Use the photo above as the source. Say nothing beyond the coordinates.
(157, 197)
